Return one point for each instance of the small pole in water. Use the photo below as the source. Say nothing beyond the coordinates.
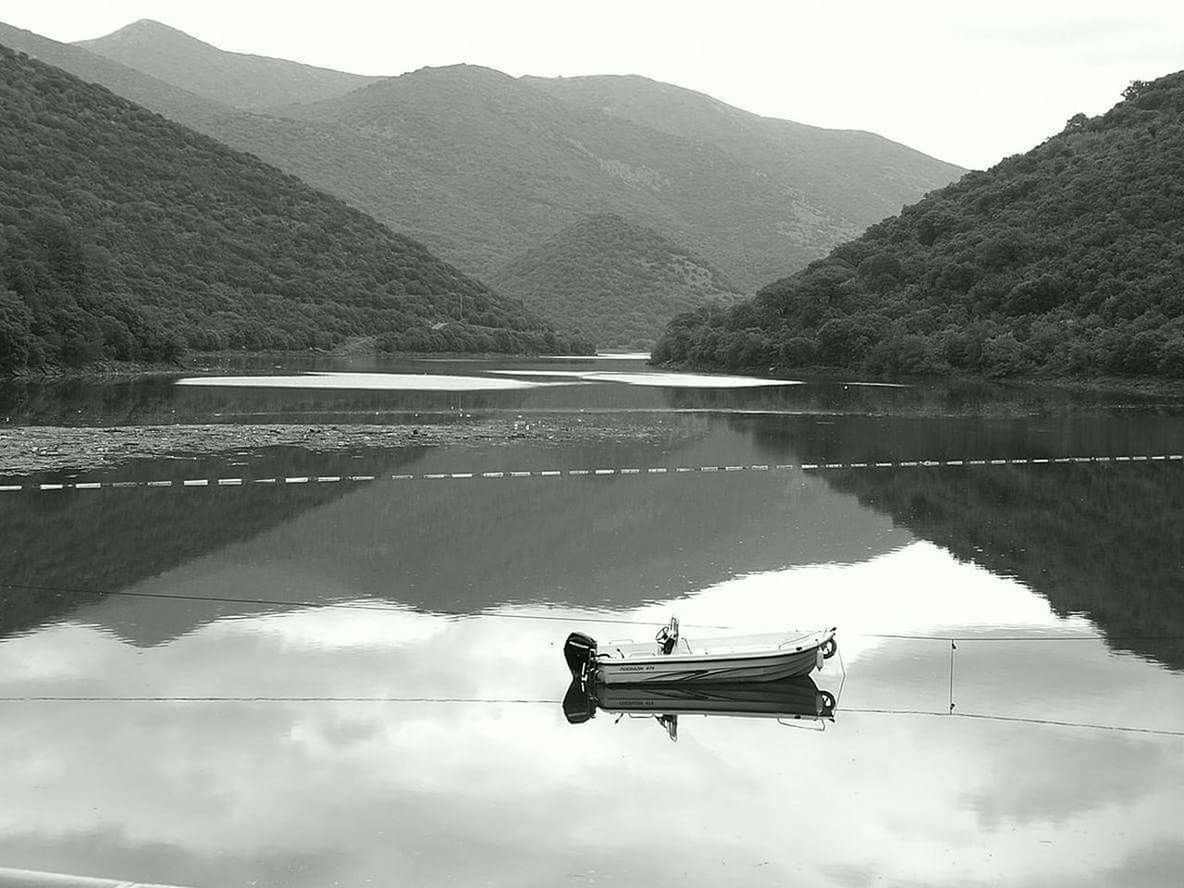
(953, 647)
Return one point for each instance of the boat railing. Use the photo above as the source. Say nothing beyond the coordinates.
(805, 723)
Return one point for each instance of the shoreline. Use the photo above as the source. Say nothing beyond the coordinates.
(195, 362)
(26, 450)
(205, 362)
(1118, 385)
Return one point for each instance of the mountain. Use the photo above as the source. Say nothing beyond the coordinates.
(1066, 261)
(617, 282)
(481, 166)
(164, 98)
(126, 236)
(523, 165)
(244, 81)
(862, 176)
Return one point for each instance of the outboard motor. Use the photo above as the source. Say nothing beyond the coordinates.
(580, 652)
(825, 704)
(579, 704)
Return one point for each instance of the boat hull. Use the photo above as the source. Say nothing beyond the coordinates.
(795, 658)
(793, 698)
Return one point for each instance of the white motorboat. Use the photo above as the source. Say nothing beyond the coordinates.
(672, 658)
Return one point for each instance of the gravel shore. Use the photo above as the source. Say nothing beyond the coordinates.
(27, 449)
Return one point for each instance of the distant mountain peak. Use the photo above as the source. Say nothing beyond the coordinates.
(148, 30)
(461, 68)
(483, 166)
(247, 81)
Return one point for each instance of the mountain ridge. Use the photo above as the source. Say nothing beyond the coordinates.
(243, 80)
(130, 83)
(615, 281)
(576, 162)
(776, 146)
(126, 236)
(1062, 262)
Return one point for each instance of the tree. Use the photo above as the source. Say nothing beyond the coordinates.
(16, 339)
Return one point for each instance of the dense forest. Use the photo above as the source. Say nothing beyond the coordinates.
(616, 282)
(125, 236)
(1066, 261)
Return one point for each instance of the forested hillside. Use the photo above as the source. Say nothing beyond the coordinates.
(482, 167)
(244, 81)
(164, 98)
(616, 282)
(521, 165)
(863, 176)
(1066, 261)
(126, 236)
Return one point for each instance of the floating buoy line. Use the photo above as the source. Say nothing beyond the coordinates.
(593, 472)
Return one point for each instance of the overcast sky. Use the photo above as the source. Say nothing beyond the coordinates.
(969, 83)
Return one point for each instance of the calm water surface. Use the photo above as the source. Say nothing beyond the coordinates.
(361, 684)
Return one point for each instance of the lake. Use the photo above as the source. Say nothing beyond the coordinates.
(339, 661)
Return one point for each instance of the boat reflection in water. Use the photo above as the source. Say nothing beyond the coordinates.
(788, 700)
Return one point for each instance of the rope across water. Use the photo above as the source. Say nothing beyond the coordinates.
(593, 472)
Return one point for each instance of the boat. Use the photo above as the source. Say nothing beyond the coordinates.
(672, 658)
(786, 700)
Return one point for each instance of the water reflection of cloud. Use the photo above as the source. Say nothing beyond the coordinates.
(1089, 773)
(407, 382)
(310, 793)
(918, 588)
(662, 380)
(364, 623)
(1158, 865)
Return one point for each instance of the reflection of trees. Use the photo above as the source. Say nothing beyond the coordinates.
(953, 398)
(459, 546)
(109, 540)
(1100, 540)
(464, 547)
(870, 438)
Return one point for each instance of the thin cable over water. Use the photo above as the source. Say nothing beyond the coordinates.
(561, 618)
(347, 605)
(529, 701)
(1019, 720)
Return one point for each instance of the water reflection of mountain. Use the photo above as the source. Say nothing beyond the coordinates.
(464, 547)
(591, 543)
(1103, 540)
(114, 539)
(872, 438)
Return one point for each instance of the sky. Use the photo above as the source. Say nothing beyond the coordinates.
(969, 83)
